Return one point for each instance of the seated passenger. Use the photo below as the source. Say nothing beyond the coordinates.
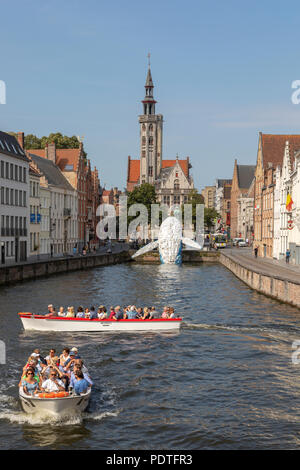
(51, 311)
(171, 313)
(112, 315)
(165, 313)
(139, 313)
(29, 383)
(93, 313)
(53, 384)
(81, 385)
(40, 358)
(87, 313)
(118, 313)
(75, 351)
(80, 313)
(64, 357)
(61, 312)
(146, 315)
(77, 368)
(51, 358)
(131, 314)
(70, 312)
(154, 313)
(103, 314)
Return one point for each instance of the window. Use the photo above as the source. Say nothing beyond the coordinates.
(150, 170)
(176, 184)
(2, 169)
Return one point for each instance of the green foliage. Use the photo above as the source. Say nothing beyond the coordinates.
(143, 194)
(31, 141)
(210, 214)
(194, 198)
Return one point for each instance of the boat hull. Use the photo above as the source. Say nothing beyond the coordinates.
(41, 323)
(56, 406)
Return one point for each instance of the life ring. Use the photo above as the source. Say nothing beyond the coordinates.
(46, 395)
(61, 394)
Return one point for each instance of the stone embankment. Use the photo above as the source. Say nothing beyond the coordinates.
(265, 276)
(34, 270)
(188, 256)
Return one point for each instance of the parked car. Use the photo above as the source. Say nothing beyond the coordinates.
(242, 242)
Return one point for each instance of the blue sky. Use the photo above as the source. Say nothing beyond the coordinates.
(222, 72)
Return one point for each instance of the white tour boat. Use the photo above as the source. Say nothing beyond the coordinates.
(55, 403)
(44, 323)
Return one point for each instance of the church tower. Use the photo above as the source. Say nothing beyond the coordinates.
(151, 126)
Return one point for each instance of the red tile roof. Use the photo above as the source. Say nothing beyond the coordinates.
(134, 168)
(273, 147)
(63, 156)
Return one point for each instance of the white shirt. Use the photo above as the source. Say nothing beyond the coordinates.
(51, 386)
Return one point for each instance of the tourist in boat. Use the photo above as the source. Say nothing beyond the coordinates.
(77, 368)
(154, 313)
(70, 312)
(103, 314)
(112, 315)
(53, 384)
(39, 357)
(118, 313)
(171, 312)
(165, 313)
(93, 313)
(131, 313)
(80, 313)
(51, 311)
(86, 313)
(31, 364)
(146, 315)
(51, 358)
(61, 312)
(29, 383)
(81, 385)
(65, 355)
(75, 351)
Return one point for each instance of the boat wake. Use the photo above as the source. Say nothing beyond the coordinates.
(272, 333)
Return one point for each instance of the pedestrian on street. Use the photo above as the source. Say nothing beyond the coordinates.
(256, 251)
(287, 256)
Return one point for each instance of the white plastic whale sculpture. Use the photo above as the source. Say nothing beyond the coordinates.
(169, 242)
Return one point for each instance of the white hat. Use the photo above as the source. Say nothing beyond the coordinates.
(74, 349)
(34, 355)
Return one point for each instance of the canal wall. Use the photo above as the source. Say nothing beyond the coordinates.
(275, 286)
(34, 270)
(188, 256)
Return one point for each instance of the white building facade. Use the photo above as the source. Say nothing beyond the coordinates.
(14, 201)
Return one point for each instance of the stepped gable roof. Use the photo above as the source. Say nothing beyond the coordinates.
(245, 175)
(10, 146)
(51, 171)
(273, 147)
(134, 168)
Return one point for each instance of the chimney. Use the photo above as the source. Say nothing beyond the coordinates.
(21, 139)
(51, 152)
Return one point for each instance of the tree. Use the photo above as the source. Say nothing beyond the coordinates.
(194, 198)
(143, 194)
(31, 141)
(210, 214)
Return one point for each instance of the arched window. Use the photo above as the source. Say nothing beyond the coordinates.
(143, 140)
(176, 184)
(143, 127)
(151, 127)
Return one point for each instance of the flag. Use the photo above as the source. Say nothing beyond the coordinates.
(289, 202)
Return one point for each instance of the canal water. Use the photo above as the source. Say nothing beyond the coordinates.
(225, 381)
